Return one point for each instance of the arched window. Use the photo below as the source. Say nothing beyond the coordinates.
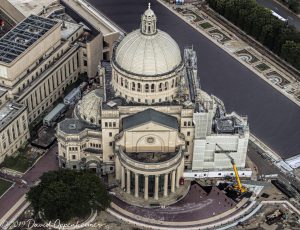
(147, 88)
(132, 86)
(152, 88)
(160, 86)
(184, 123)
(173, 83)
(166, 85)
(139, 87)
(121, 81)
(92, 120)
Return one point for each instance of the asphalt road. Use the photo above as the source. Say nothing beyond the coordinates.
(292, 18)
(273, 117)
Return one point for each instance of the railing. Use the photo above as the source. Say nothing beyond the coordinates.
(150, 166)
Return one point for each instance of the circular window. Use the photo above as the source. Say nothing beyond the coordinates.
(150, 140)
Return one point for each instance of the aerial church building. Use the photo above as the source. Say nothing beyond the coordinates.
(149, 124)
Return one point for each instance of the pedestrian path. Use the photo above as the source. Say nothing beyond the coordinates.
(13, 202)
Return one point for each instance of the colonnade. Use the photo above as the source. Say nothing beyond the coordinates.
(174, 176)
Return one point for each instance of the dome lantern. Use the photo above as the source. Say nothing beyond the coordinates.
(148, 22)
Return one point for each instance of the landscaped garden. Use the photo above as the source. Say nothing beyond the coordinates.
(206, 25)
(262, 67)
(19, 163)
(4, 185)
(22, 160)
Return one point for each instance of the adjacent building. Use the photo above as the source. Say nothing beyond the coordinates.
(39, 58)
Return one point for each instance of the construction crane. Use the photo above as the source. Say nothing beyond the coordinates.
(238, 185)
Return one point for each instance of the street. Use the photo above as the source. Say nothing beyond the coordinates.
(277, 8)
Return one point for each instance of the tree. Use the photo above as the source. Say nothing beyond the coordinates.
(65, 194)
(259, 23)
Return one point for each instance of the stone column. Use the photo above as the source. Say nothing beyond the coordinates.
(166, 185)
(173, 181)
(156, 187)
(136, 185)
(146, 188)
(177, 176)
(122, 177)
(128, 182)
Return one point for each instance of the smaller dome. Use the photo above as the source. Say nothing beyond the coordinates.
(89, 107)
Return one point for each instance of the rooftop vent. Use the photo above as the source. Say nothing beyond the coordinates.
(33, 30)
(21, 40)
(72, 126)
(111, 104)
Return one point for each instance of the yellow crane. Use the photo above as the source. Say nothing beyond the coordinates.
(238, 185)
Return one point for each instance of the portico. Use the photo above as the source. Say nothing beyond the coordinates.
(154, 180)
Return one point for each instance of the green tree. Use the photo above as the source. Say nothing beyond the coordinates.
(259, 23)
(65, 194)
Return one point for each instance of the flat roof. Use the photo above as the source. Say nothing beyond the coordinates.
(294, 161)
(75, 126)
(28, 7)
(8, 112)
(69, 29)
(92, 16)
(21, 37)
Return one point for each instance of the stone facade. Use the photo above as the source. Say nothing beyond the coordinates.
(151, 129)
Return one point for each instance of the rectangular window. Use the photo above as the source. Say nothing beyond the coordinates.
(110, 134)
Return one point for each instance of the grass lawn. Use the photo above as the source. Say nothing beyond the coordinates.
(19, 163)
(206, 25)
(4, 185)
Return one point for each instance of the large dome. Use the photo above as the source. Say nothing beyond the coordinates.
(148, 55)
(147, 64)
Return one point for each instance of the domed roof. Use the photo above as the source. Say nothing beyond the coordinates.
(89, 107)
(148, 51)
(148, 55)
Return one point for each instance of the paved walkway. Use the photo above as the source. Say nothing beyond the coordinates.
(15, 195)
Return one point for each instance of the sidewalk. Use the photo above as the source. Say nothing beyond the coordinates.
(14, 200)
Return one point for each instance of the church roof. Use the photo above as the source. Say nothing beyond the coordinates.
(150, 115)
(148, 51)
